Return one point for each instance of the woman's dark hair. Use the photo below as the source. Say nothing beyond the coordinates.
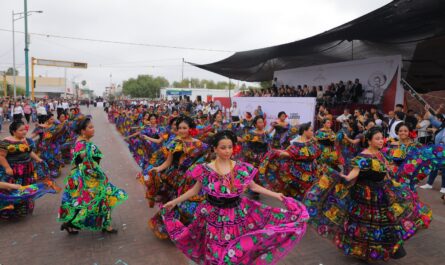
(304, 127)
(47, 117)
(258, 117)
(152, 115)
(187, 120)
(58, 116)
(400, 125)
(14, 126)
(248, 114)
(323, 122)
(373, 131)
(172, 121)
(379, 115)
(216, 114)
(281, 113)
(226, 134)
(82, 125)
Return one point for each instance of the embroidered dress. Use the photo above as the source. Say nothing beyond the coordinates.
(141, 148)
(369, 219)
(349, 150)
(19, 159)
(9, 199)
(230, 229)
(50, 148)
(88, 197)
(164, 186)
(396, 154)
(292, 175)
(420, 162)
(331, 153)
(255, 146)
(280, 139)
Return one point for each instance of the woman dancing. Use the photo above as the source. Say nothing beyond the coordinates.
(89, 197)
(229, 228)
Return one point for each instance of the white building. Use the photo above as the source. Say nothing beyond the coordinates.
(45, 86)
(193, 93)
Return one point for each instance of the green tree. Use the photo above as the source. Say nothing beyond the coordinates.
(144, 86)
(10, 71)
(266, 84)
(202, 83)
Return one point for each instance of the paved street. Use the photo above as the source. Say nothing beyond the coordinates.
(38, 240)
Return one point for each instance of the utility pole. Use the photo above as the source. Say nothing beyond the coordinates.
(14, 73)
(182, 76)
(26, 48)
(65, 81)
(13, 55)
(5, 84)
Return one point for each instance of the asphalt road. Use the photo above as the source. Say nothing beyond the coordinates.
(38, 240)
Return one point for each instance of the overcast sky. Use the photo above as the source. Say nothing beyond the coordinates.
(231, 25)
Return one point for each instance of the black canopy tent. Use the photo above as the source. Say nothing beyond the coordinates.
(414, 29)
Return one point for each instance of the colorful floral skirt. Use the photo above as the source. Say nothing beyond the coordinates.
(418, 164)
(250, 233)
(23, 175)
(285, 175)
(87, 203)
(51, 154)
(42, 175)
(160, 192)
(368, 220)
(13, 203)
(331, 156)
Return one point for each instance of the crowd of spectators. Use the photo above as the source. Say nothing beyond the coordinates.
(31, 110)
(423, 126)
(334, 93)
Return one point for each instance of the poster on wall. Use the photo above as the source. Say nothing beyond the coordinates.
(298, 110)
(379, 78)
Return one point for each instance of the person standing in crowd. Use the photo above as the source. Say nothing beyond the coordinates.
(65, 106)
(27, 110)
(410, 119)
(41, 113)
(344, 117)
(59, 107)
(227, 227)
(423, 123)
(89, 196)
(438, 122)
(235, 112)
(398, 118)
(357, 91)
(51, 106)
(17, 112)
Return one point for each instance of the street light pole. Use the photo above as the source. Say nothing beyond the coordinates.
(13, 55)
(26, 48)
(25, 16)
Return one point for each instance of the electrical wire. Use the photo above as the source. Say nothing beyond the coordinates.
(119, 42)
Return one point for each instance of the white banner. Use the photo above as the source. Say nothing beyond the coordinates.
(375, 75)
(298, 110)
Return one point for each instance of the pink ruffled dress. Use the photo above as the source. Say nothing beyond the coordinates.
(230, 229)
